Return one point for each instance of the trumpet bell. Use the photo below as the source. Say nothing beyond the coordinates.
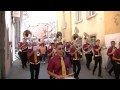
(27, 34)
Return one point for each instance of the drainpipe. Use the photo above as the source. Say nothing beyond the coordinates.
(64, 24)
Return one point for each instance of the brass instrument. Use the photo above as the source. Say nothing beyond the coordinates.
(76, 43)
(58, 37)
(89, 40)
(24, 46)
(27, 35)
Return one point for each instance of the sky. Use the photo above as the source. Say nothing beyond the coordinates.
(42, 17)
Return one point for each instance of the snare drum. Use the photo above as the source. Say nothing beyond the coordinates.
(70, 77)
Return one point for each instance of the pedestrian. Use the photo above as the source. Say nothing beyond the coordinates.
(116, 57)
(97, 58)
(34, 61)
(58, 66)
(43, 52)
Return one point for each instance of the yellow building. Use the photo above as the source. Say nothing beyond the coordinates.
(112, 27)
(64, 24)
(90, 22)
(103, 25)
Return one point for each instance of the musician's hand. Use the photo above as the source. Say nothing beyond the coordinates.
(76, 50)
(88, 46)
(112, 52)
(60, 77)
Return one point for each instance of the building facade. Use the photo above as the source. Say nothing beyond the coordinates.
(64, 24)
(5, 35)
(112, 27)
(103, 25)
(90, 22)
(9, 28)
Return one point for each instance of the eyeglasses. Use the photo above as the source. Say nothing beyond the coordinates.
(60, 48)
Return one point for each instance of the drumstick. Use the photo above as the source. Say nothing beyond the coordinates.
(70, 74)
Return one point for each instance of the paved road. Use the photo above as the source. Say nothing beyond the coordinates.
(18, 73)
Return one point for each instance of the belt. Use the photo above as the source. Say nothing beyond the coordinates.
(118, 62)
(35, 63)
(24, 51)
(76, 59)
(97, 55)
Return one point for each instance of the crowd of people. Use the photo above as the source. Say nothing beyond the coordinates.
(64, 59)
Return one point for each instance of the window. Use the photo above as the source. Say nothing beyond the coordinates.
(90, 14)
(78, 16)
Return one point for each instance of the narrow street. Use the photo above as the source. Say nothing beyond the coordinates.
(18, 73)
(40, 31)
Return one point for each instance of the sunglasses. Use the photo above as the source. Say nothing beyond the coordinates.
(60, 48)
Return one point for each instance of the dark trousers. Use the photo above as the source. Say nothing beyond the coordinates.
(98, 60)
(113, 67)
(34, 70)
(67, 54)
(24, 59)
(88, 59)
(43, 57)
(117, 70)
(76, 68)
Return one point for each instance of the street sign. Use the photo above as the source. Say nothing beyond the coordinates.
(16, 13)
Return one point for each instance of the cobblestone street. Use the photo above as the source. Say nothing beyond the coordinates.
(18, 73)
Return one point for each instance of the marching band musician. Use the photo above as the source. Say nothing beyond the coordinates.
(51, 53)
(76, 55)
(34, 60)
(97, 57)
(116, 57)
(23, 46)
(67, 50)
(88, 54)
(110, 53)
(58, 67)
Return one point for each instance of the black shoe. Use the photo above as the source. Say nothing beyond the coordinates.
(89, 69)
(23, 67)
(76, 77)
(100, 76)
(109, 73)
(86, 65)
